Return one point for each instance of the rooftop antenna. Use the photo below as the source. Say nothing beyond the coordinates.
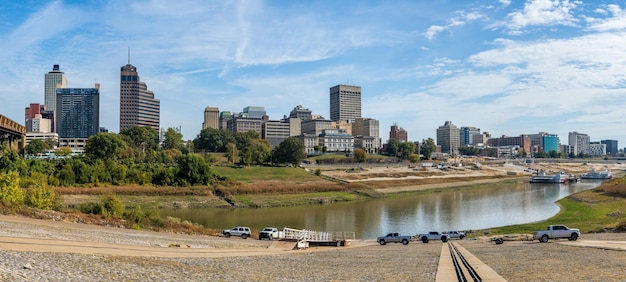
(129, 55)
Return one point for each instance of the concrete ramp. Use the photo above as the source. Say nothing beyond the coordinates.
(282, 245)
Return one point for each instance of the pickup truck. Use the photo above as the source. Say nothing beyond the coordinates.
(556, 232)
(393, 238)
(456, 235)
(270, 233)
(243, 232)
(433, 235)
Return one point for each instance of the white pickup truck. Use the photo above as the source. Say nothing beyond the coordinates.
(433, 235)
(271, 233)
(556, 232)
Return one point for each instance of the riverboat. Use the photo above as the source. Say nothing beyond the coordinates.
(605, 174)
(543, 177)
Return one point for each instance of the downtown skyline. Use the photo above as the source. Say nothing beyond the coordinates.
(506, 67)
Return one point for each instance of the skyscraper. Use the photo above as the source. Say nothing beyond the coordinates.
(78, 112)
(211, 118)
(138, 107)
(345, 102)
(448, 137)
(53, 80)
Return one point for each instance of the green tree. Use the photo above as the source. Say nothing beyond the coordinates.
(173, 140)
(231, 153)
(63, 151)
(359, 155)
(143, 138)
(10, 160)
(104, 145)
(427, 148)
(413, 158)
(393, 146)
(291, 150)
(36, 147)
(211, 140)
(193, 170)
(243, 139)
(406, 149)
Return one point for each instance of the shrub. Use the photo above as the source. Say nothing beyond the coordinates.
(112, 206)
(43, 197)
(318, 172)
(91, 208)
(10, 191)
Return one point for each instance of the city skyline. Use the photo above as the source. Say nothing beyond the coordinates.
(507, 67)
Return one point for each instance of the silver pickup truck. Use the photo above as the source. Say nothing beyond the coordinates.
(393, 238)
(556, 232)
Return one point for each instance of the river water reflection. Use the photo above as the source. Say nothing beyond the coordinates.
(476, 208)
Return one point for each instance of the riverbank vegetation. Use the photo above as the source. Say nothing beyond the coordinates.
(602, 209)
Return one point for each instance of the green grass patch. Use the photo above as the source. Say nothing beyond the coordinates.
(589, 211)
(249, 174)
(296, 199)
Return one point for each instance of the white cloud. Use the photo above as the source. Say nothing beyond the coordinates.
(542, 13)
(616, 22)
(461, 19)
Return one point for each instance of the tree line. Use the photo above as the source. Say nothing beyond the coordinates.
(135, 156)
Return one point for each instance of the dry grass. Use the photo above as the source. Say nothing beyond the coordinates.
(137, 190)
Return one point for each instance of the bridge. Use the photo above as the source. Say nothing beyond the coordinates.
(12, 132)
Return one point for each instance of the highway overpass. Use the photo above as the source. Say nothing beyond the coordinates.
(12, 132)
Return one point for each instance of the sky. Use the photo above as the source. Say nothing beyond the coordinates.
(507, 67)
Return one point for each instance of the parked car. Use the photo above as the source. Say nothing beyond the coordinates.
(456, 234)
(433, 235)
(240, 231)
(270, 233)
(394, 238)
(556, 232)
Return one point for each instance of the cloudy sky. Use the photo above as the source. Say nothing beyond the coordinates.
(507, 67)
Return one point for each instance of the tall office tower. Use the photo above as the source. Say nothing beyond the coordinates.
(466, 134)
(53, 80)
(138, 107)
(448, 137)
(78, 112)
(611, 146)
(398, 133)
(211, 118)
(345, 102)
(579, 143)
(254, 112)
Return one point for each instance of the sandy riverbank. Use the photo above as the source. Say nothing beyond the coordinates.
(43, 250)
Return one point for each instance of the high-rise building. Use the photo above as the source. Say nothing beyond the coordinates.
(398, 133)
(254, 112)
(611, 146)
(37, 113)
(211, 118)
(448, 137)
(579, 143)
(53, 80)
(345, 102)
(138, 107)
(78, 112)
(301, 113)
(466, 134)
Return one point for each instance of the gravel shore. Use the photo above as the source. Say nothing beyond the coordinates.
(362, 261)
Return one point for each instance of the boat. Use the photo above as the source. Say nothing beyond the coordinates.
(593, 174)
(543, 177)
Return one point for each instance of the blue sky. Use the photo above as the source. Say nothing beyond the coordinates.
(506, 67)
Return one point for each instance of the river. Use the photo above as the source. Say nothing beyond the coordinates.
(466, 209)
